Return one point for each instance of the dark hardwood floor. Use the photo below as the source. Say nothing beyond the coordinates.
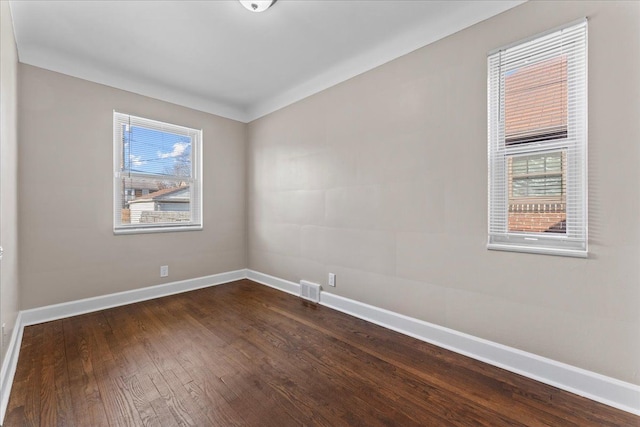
(247, 355)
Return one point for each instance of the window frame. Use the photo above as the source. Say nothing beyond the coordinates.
(195, 181)
(573, 145)
(546, 174)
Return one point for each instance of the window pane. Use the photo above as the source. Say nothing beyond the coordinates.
(535, 99)
(537, 200)
(156, 152)
(546, 186)
(554, 163)
(535, 164)
(520, 187)
(519, 166)
(155, 201)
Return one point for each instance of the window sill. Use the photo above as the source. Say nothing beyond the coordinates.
(146, 230)
(574, 253)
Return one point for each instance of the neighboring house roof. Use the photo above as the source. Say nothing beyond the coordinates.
(560, 227)
(167, 194)
(141, 184)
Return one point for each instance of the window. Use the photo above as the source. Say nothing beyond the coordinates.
(537, 151)
(537, 175)
(157, 179)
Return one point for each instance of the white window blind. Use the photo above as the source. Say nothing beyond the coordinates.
(537, 144)
(157, 176)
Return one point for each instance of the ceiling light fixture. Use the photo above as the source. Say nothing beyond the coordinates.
(257, 5)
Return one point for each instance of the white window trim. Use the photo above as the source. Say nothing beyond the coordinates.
(575, 242)
(196, 181)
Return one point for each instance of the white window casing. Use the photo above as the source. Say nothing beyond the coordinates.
(157, 181)
(538, 118)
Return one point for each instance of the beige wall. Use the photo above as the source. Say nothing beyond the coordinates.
(383, 181)
(8, 174)
(67, 247)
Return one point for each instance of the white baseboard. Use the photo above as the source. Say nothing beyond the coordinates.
(274, 282)
(610, 391)
(603, 389)
(9, 365)
(88, 305)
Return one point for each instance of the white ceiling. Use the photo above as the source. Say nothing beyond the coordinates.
(218, 57)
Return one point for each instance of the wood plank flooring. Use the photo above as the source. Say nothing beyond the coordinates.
(242, 354)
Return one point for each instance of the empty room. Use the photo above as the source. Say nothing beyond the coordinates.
(320, 213)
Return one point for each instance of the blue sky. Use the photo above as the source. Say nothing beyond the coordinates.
(152, 151)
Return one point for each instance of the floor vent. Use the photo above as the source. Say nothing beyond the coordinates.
(310, 291)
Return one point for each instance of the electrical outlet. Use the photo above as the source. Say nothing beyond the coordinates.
(332, 279)
(164, 270)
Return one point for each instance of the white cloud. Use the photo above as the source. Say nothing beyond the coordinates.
(178, 150)
(136, 161)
